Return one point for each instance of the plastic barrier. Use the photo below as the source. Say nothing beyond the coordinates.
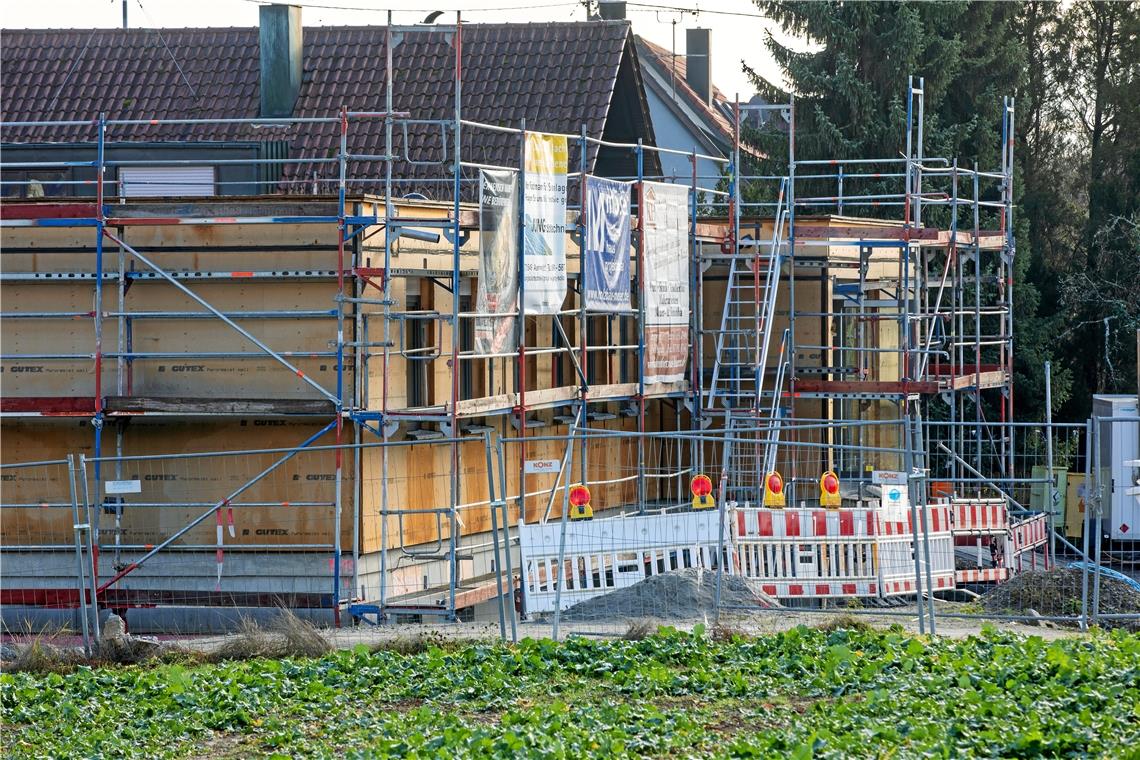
(602, 555)
(822, 553)
(974, 516)
(812, 553)
(1025, 537)
(897, 551)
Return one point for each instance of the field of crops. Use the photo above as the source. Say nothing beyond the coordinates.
(803, 693)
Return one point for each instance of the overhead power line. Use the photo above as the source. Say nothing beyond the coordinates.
(420, 9)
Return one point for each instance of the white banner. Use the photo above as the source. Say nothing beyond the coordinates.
(544, 225)
(665, 236)
(542, 466)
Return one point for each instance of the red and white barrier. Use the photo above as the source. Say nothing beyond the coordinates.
(982, 575)
(986, 523)
(975, 516)
(759, 522)
(822, 553)
(1025, 537)
(897, 550)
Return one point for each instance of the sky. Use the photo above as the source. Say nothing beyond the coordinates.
(738, 30)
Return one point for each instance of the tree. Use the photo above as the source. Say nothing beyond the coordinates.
(850, 95)
(1099, 71)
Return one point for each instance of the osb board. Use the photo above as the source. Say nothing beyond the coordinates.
(252, 376)
(419, 478)
(178, 248)
(808, 298)
(173, 483)
(397, 366)
(49, 377)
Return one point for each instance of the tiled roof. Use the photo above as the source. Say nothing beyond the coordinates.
(671, 65)
(557, 76)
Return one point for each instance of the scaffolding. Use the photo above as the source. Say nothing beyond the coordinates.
(891, 295)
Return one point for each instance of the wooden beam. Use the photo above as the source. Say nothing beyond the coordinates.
(897, 388)
(227, 406)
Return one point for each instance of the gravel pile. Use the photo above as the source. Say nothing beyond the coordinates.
(1057, 592)
(678, 595)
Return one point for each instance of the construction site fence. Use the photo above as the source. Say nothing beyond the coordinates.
(494, 528)
(907, 550)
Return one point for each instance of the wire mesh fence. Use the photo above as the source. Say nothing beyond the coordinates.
(44, 547)
(592, 531)
(192, 543)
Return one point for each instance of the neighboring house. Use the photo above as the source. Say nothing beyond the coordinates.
(558, 77)
(689, 113)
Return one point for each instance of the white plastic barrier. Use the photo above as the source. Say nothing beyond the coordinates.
(602, 555)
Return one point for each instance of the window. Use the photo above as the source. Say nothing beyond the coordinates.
(37, 183)
(415, 340)
(166, 181)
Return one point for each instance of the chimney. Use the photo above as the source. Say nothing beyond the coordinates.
(279, 38)
(612, 10)
(698, 63)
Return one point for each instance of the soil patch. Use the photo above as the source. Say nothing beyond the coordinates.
(1057, 592)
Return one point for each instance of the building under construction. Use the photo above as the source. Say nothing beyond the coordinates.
(303, 349)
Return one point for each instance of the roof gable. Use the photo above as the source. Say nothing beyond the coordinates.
(673, 69)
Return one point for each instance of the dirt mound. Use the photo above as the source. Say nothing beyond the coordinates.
(678, 595)
(1057, 592)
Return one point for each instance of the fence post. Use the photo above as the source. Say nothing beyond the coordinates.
(80, 576)
(1090, 432)
(562, 538)
(1097, 422)
(91, 549)
(495, 536)
(915, 444)
(722, 509)
(908, 466)
(1050, 495)
(507, 538)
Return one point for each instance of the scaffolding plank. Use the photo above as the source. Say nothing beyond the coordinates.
(893, 388)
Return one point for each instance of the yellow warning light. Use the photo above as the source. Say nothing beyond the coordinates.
(829, 490)
(580, 508)
(701, 487)
(773, 490)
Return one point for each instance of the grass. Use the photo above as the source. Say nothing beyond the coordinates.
(803, 693)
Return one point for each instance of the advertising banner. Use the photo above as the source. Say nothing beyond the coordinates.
(544, 224)
(605, 250)
(498, 263)
(665, 231)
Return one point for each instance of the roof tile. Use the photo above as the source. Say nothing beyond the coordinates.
(555, 75)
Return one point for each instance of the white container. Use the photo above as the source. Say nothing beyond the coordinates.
(1119, 436)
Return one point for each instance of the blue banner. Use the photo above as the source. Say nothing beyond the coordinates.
(605, 245)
